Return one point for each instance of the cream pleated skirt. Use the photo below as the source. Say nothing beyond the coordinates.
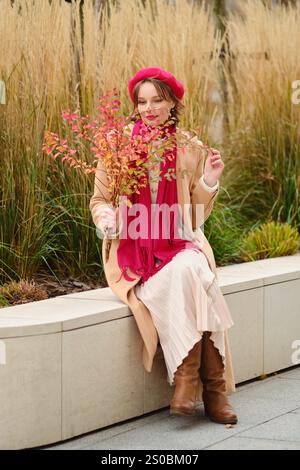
(184, 300)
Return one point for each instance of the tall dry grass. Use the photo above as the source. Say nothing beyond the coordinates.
(178, 36)
(44, 217)
(263, 164)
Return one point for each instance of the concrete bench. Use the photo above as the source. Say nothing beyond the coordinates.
(72, 364)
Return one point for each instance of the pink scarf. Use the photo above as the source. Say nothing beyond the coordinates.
(139, 254)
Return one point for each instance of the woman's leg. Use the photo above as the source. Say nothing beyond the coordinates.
(186, 383)
(215, 400)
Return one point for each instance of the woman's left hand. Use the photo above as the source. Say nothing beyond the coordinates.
(214, 166)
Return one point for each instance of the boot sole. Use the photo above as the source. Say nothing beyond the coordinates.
(221, 421)
(179, 412)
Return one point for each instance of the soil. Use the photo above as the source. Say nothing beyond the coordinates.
(45, 285)
(67, 285)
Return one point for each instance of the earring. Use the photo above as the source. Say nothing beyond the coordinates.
(172, 117)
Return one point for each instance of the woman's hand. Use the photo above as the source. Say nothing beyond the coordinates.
(108, 220)
(213, 168)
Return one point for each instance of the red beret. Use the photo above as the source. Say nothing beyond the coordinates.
(160, 74)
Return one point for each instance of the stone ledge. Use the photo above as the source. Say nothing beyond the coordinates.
(238, 277)
(68, 312)
(56, 379)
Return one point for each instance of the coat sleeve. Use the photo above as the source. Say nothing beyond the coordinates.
(202, 198)
(210, 189)
(101, 196)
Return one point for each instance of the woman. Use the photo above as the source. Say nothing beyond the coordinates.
(170, 283)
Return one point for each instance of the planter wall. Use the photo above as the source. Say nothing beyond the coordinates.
(72, 364)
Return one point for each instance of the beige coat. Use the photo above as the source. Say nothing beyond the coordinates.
(190, 191)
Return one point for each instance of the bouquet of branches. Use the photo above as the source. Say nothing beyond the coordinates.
(107, 138)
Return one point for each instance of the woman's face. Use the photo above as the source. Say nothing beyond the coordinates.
(153, 109)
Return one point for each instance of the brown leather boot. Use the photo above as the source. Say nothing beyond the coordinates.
(186, 380)
(215, 400)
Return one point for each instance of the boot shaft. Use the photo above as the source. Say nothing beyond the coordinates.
(214, 393)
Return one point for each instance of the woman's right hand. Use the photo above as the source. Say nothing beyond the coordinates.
(107, 219)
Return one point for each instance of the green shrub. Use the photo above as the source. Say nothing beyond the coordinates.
(225, 230)
(3, 301)
(270, 240)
